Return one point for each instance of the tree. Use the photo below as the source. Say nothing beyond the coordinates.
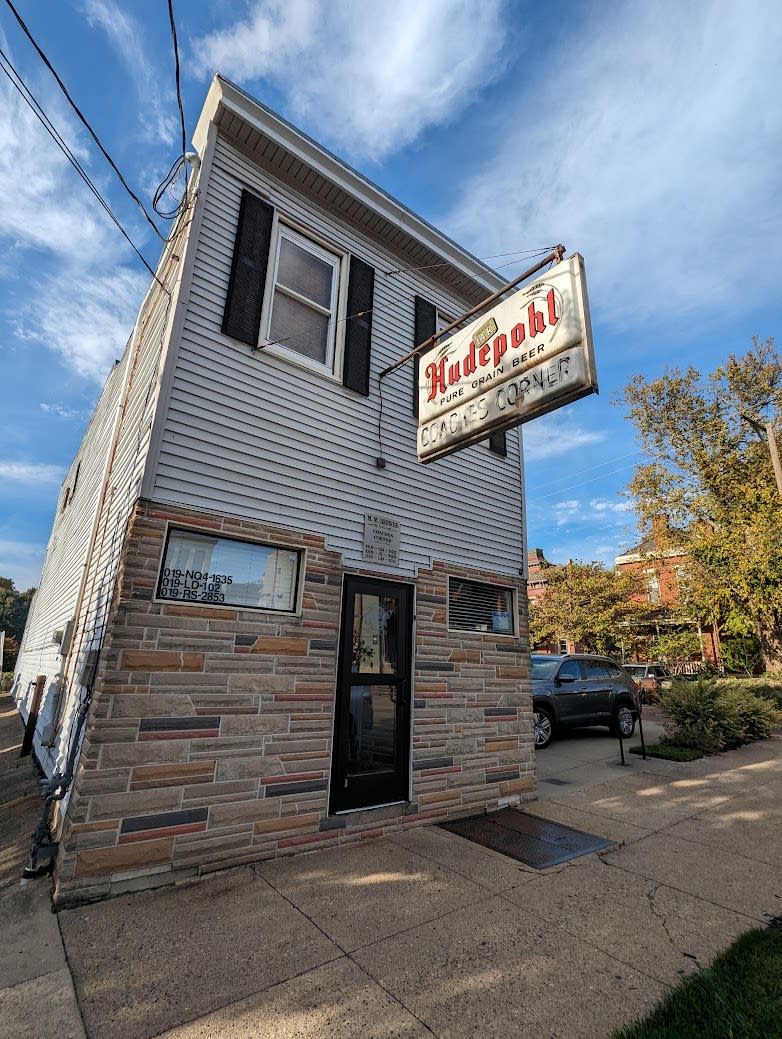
(586, 603)
(14, 607)
(676, 647)
(710, 471)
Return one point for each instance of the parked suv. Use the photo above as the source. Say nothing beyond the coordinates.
(651, 678)
(581, 689)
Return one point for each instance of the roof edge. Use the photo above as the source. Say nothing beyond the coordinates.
(227, 95)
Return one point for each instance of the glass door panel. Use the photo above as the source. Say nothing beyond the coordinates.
(370, 763)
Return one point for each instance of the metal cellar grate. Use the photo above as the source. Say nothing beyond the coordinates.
(526, 838)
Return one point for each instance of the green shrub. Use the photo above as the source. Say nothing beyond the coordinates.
(711, 716)
(742, 654)
(6, 680)
(764, 688)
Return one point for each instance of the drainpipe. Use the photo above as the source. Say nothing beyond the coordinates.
(43, 849)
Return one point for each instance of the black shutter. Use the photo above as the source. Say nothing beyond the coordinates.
(425, 327)
(244, 302)
(358, 327)
(497, 444)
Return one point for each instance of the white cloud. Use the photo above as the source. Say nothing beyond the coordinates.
(565, 512)
(85, 310)
(126, 36)
(31, 472)
(59, 410)
(368, 75)
(651, 152)
(588, 549)
(35, 211)
(86, 322)
(604, 507)
(555, 435)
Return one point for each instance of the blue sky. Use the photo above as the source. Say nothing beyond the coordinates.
(648, 137)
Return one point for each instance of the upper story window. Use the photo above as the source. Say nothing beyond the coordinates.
(653, 588)
(285, 289)
(303, 307)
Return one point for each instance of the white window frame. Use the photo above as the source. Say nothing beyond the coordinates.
(337, 260)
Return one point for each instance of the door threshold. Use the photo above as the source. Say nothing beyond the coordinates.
(369, 808)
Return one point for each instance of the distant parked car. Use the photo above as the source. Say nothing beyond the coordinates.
(581, 689)
(651, 678)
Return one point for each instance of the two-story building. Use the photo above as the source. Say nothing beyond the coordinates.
(280, 629)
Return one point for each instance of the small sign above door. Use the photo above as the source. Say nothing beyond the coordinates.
(381, 539)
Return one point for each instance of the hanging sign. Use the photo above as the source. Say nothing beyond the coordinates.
(531, 354)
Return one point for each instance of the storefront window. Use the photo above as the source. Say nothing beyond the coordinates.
(201, 568)
(480, 607)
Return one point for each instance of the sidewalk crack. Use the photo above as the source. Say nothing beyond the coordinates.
(662, 917)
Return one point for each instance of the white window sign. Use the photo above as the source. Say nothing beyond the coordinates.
(381, 539)
(202, 568)
(530, 354)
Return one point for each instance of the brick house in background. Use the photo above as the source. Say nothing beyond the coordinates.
(277, 642)
(537, 568)
(664, 567)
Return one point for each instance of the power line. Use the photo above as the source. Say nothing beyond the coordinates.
(84, 121)
(176, 68)
(583, 483)
(565, 480)
(521, 254)
(28, 97)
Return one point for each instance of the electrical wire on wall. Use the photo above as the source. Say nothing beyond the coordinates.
(180, 167)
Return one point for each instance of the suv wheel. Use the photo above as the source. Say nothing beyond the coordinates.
(623, 722)
(544, 728)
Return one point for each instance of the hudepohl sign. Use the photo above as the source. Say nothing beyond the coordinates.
(532, 353)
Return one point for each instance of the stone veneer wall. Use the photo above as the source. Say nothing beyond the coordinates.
(209, 742)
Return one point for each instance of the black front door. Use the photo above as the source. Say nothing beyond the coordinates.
(372, 727)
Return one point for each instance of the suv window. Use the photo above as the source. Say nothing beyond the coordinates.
(570, 669)
(595, 669)
(615, 671)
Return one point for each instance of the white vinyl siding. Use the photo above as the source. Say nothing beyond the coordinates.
(251, 434)
(55, 600)
(111, 458)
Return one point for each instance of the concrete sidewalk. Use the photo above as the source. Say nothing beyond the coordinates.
(426, 934)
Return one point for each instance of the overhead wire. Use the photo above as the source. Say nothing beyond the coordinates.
(177, 74)
(83, 119)
(521, 254)
(29, 98)
(180, 166)
(313, 329)
(583, 483)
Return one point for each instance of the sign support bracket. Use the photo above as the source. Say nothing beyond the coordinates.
(555, 256)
